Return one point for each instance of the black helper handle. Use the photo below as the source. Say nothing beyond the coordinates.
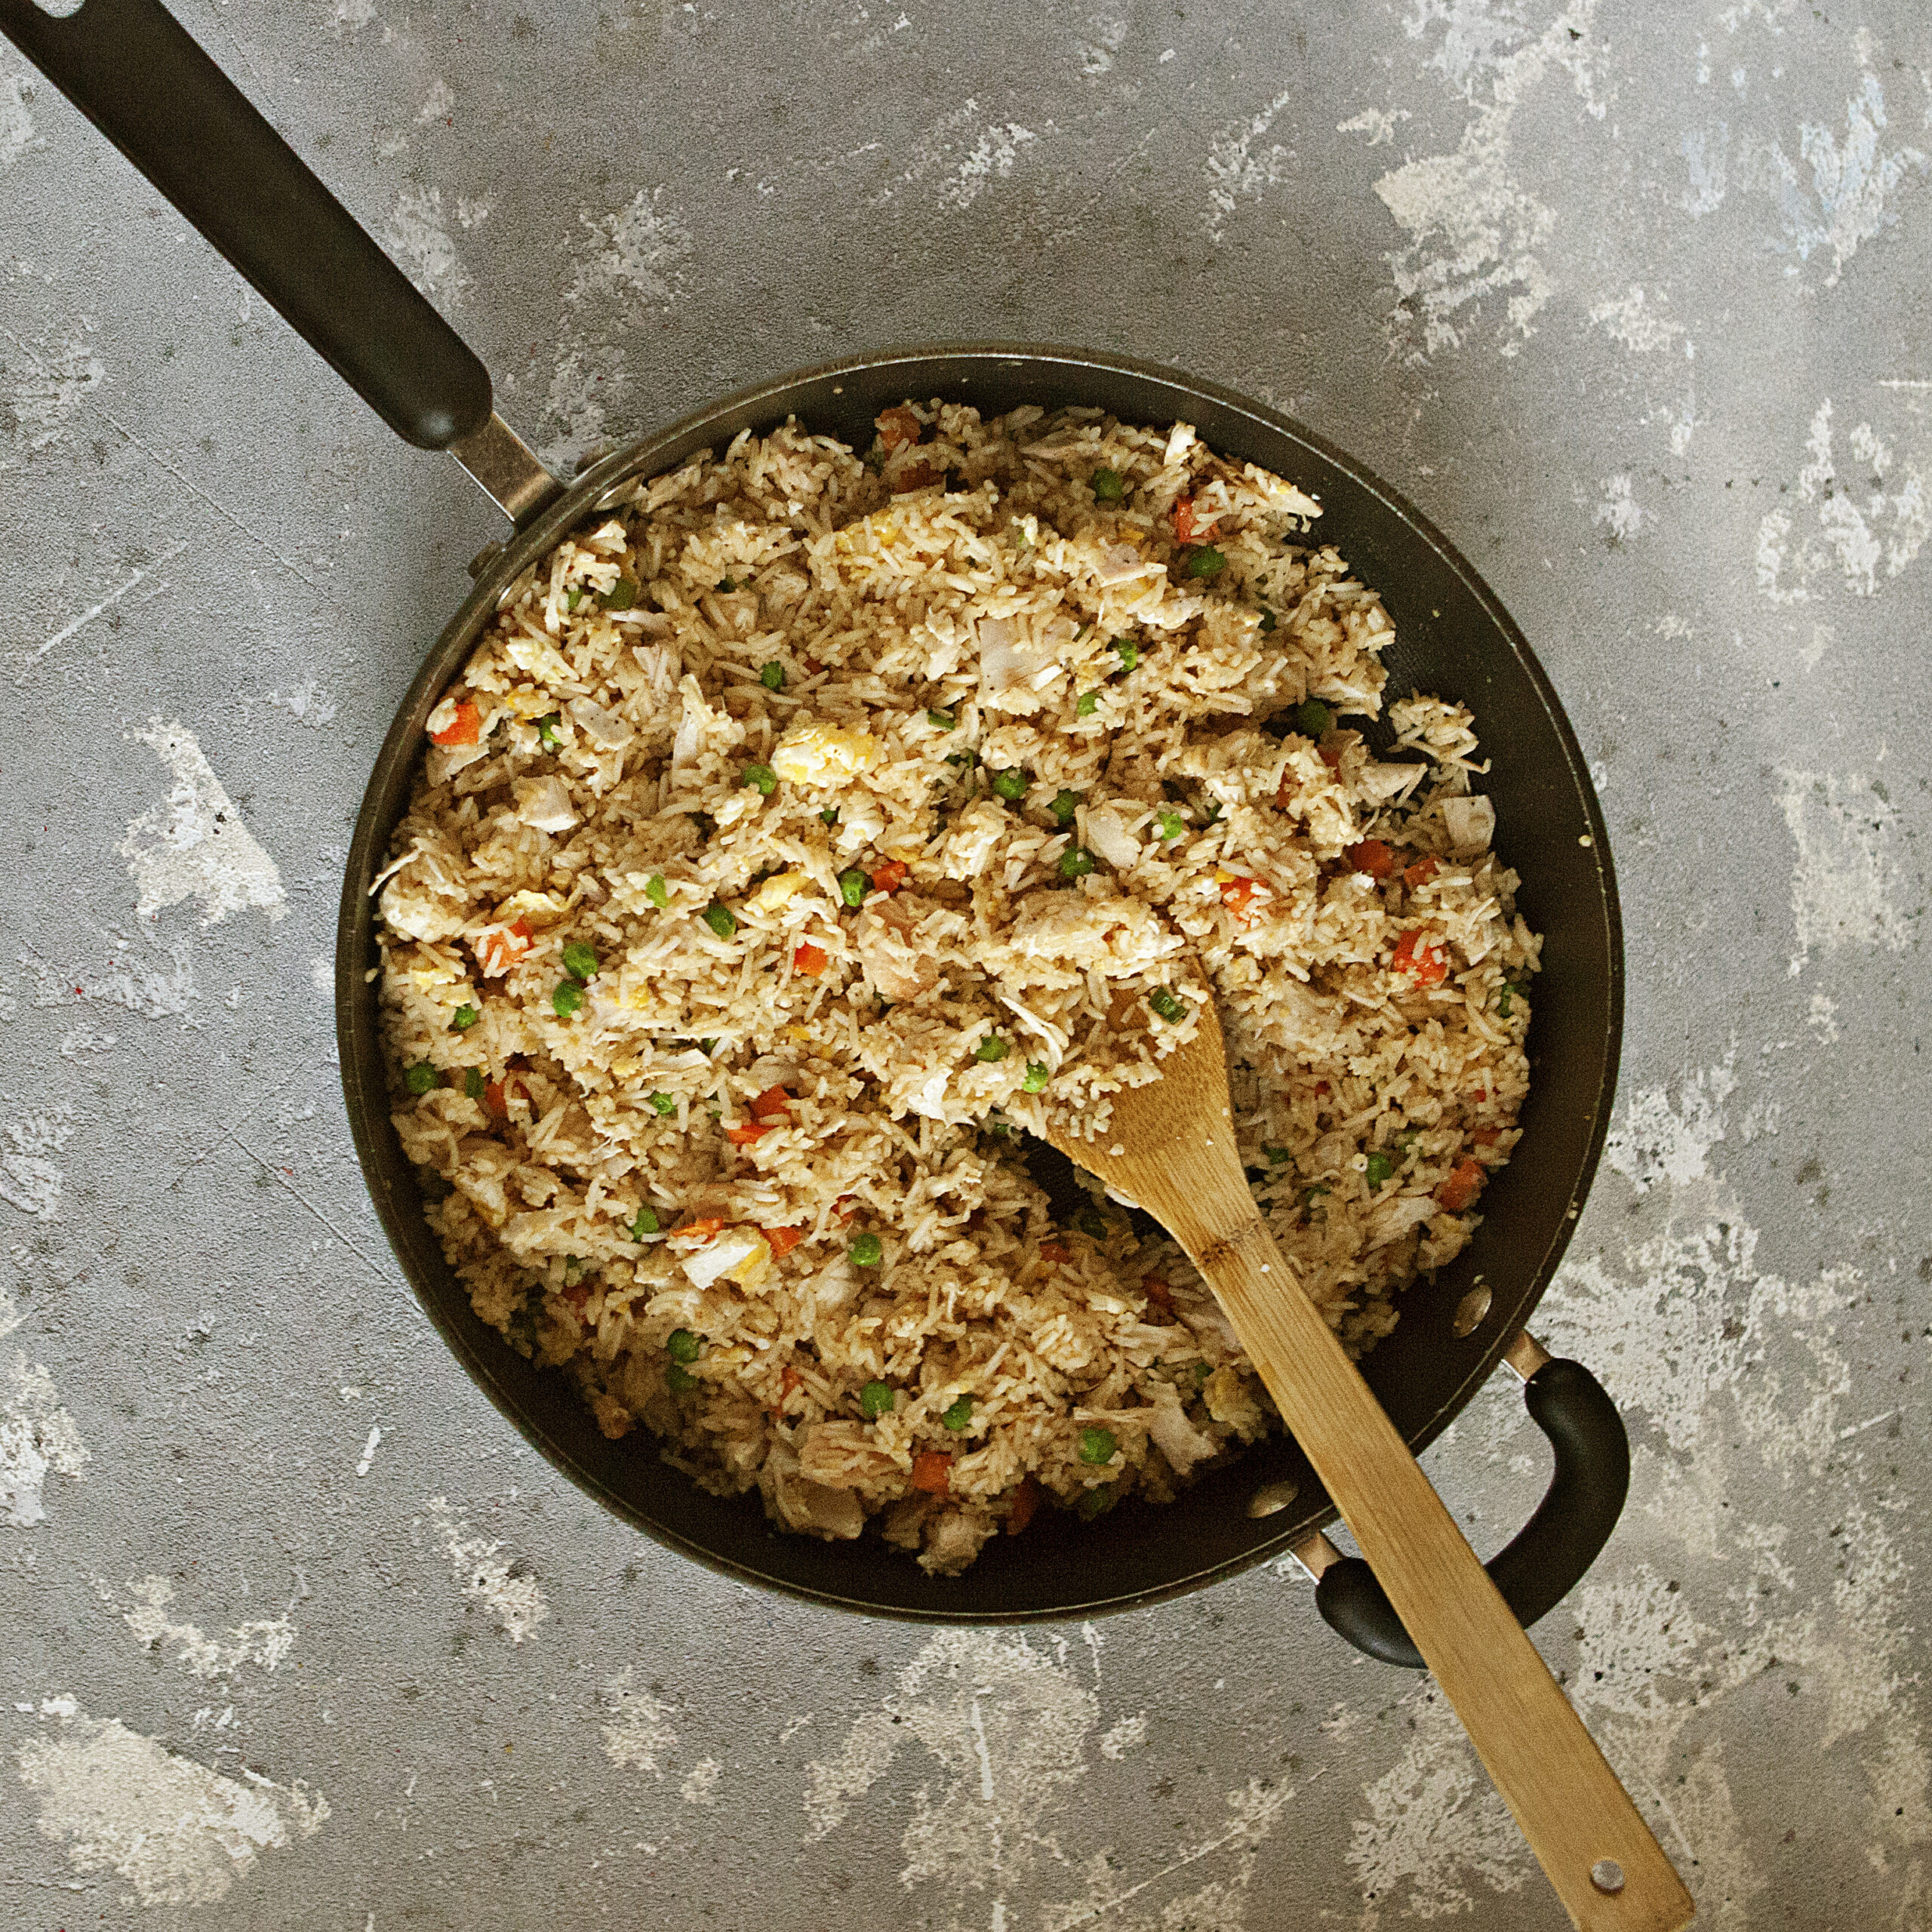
(1558, 1544)
(136, 74)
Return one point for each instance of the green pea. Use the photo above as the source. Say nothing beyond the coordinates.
(1165, 1004)
(1011, 784)
(646, 1223)
(958, 1414)
(1378, 1169)
(720, 919)
(1097, 1446)
(1096, 1502)
(1130, 653)
(656, 891)
(568, 998)
(662, 1103)
(421, 1078)
(1066, 804)
(1075, 863)
(1108, 486)
(762, 776)
(1313, 719)
(875, 1399)
(474, 1084)
(772, 677)
(679, 1380)
(992, 1047)
(865, 1250)
(1087, 704)
(467, 1016)
(854, 885)
(621, 595)
(1206, 562)
(1037, 1074)
(683, 1345)
(580, 962)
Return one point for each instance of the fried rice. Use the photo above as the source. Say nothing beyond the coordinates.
(817, 822)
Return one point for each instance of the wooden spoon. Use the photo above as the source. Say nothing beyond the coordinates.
(1171, 1149)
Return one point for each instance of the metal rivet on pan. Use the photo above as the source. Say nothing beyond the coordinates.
(1270, 1497)
(1607, 1875)
(1470, 1311)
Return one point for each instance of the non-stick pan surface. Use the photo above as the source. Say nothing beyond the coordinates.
(129, 66)
(1452, 637)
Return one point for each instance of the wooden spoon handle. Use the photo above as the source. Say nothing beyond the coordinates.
(1608, 1869)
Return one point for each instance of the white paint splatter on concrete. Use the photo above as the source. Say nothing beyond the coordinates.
(178, 1833)
(637, 254)
(438, 105)
(1844, 883)
(351, 16)
(38, 1439)
(52, 385)
(419, 237)
(154, 991)
(1475, 229)
(83, 1039)
(990, 157)
(1823, 1018)
(322, 975)
(1705, 151)
(307, 703)
(263, 1642)
(634, 267)
(1618, 508)
(367, 1460)
(1096, 56)
(1435, 1824)
(28, 1179)
(1241, 168)
(701, 1784)
(1129, 1734)
(1656, 1142)
(1009, 1727)
(1848, 199)
(507, 1589)
(17, 134)
(1379, 124)
(1635, 321)
(1860, 532)
(194, 844)
(639, 1735)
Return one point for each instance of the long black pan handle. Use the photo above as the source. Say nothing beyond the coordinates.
(1557, 1545)
(132, 70)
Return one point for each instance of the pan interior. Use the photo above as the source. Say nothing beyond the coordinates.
(1454, 638)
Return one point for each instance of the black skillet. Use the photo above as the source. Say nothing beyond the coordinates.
(146, 85)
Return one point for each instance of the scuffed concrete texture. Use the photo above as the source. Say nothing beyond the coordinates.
(294, 1631)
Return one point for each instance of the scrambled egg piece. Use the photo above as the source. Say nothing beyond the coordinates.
(823, 755)
(741, 1253)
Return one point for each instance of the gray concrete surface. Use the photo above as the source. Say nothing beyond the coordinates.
(1628, 296)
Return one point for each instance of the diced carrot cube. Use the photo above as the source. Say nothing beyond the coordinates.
(743, 1135)
(464, 729)
(891, 876)
(1462, 1186)
(809, 960)
(773, 1101)
(932, 1471)
(783, 1241)
(1421, 872)
(1372, 857)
